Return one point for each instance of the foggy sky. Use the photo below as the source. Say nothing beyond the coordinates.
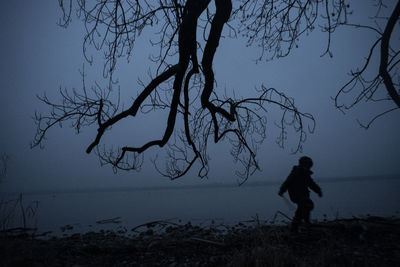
(38, 56)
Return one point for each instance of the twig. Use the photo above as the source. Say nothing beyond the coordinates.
(281, 213)
(287, 202)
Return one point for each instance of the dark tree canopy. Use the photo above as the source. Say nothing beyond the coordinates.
(384, 84)
(186, 34)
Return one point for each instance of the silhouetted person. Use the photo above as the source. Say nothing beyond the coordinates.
(297, 184)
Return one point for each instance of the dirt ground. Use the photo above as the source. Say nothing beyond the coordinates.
(371, 241)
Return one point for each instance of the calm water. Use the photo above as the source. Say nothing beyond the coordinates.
(229, 204)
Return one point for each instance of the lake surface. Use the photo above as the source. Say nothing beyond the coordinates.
(229, 204)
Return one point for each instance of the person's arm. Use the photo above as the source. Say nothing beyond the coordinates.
(315, 187)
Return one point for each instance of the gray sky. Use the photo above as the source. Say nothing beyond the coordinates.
(38, 56)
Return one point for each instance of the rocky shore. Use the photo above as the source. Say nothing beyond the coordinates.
(370, 241)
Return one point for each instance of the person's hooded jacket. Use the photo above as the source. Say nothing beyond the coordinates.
(297, 184)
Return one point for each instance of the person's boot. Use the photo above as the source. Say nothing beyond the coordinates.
(295, 226)
(306, 218)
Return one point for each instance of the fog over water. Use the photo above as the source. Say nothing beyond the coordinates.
(38, 56)
(204, 205)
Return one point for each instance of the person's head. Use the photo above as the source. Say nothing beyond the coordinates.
(306, 162)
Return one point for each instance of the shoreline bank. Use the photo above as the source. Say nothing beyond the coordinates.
(369, 241)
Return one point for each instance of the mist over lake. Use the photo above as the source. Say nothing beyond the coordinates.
(220, 203)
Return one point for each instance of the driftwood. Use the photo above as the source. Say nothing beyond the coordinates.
(153, 224)
(23, 231)
(66, 227)
(208, 241)
(112, 220)
(18, 230)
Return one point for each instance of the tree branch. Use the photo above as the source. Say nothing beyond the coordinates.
(387, 79)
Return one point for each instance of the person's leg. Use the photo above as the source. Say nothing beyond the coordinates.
(297, 218)
(308, 206)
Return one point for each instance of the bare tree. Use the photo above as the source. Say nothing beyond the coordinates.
(365, 84)
(183, 31)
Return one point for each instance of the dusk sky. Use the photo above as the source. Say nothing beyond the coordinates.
(38, 56)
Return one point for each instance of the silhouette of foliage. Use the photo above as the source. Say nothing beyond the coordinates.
(186, 34)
